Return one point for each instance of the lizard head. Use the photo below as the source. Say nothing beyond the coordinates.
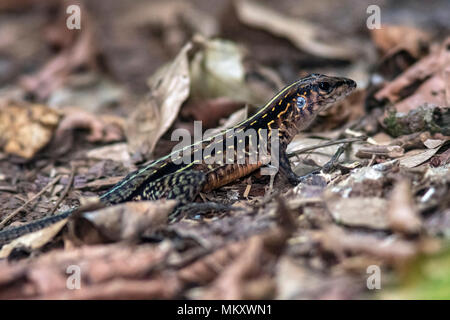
(317, 92)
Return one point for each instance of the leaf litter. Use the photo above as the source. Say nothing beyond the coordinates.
(385, 203)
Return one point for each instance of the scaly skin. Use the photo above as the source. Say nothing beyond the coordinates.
(290, 111)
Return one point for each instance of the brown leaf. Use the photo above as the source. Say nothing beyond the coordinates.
(426, 76)
(169, 88)
(207, 268)
(24, 130)
(402, 213)
(304, 35)
(391, 250)
(297, 281)
(164, 287)
(416, 157)
(358, 211)
(126, 221)
(233, 281)
(34, 240)
(107, 272)
(391, 37)
(117, 152)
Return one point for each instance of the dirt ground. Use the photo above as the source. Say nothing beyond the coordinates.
(80, 108)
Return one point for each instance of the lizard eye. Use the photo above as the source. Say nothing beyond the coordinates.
(301, 102)
(324, 86)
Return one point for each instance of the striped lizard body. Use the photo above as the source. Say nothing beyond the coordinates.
(226, 156)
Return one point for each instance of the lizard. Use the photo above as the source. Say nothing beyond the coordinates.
(290, 111)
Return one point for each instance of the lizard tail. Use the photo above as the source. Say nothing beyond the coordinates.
(13, 233)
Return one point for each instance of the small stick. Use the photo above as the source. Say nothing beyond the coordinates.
(325, 144)
(37, 195)
(330, 165)
(66, 190)
(8, 189)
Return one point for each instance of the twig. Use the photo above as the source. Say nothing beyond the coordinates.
(37, 195)
(66, 190)
(331, 165)
(8, 189)
(325, 144)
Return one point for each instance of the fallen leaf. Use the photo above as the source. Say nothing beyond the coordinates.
(34, 240)
(24, 130)
(169, 88)
(425, 77)
(233, 282)
(107, 272)
(127, 221)
(390, 37)
(294, 281)
(416, 157)
(304, 35)
(402, 213)
(116, 152)
(433, 143)
(391, 249)
(358, 211)
(217, 70)
(207, 268)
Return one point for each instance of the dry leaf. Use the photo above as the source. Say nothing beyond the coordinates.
(217, 70)
(304, 35)
(207, 268)
(433, 143)
(24, 130)
(391, 37)
(169, 88)
(233, 281)
(116, 152)
(293, 281)
(107, 272)
(34, 240)
(431, 91)
(127, 221)
(430, 72)
(416, 157)
(402, 213)
(358, 211)
(392, 250)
